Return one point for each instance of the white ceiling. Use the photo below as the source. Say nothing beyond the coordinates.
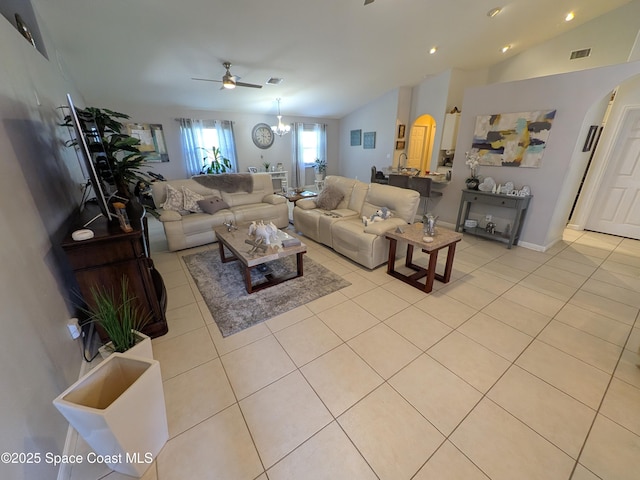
(334, 55)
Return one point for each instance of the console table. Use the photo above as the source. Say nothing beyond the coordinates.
(102, 261)
(517, 203)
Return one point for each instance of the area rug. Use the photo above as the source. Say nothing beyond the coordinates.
(233, 309)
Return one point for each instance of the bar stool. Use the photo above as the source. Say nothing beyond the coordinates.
(401, 181)
(422, 185)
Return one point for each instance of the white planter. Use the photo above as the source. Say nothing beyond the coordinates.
(319, 176)
(142, 348)
(118, 408)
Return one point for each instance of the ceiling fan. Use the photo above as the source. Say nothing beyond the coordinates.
(229, 81)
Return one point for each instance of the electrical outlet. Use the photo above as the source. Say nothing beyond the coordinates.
(74, 328)
(488, 218)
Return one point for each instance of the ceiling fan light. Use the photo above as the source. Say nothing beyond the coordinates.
(228, 82)
(493, 12)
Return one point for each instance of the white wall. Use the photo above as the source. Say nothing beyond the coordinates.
(248, 153)
(574, 96)
(38, 190)
(379, 116)
(610, 38)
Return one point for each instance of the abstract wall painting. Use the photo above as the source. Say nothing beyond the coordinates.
(512, 139)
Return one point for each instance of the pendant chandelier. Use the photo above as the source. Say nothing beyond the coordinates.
(280, 129)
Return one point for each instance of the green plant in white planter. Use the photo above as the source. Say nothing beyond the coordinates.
(118, 316)
(320, 167)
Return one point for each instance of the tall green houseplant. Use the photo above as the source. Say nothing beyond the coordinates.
(121, 150)
(215, 162)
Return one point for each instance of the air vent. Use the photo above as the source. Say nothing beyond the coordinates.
(585, 52)
(274, 81)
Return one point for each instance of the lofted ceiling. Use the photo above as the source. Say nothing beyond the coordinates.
(334, 55)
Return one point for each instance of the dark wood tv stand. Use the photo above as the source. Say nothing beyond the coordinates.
(102, 261)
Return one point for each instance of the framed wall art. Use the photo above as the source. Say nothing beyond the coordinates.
(151, 140)
(356, 138)
(401, 129)
(512, 139)
(400, 145)
(369, 140)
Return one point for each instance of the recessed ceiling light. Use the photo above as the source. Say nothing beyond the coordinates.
(493, 12)
(506, 48)
(433, 50)
(570, 16)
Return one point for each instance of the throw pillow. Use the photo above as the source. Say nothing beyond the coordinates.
(174, 201)
(191, 200)
(329, 198)
(212, 205)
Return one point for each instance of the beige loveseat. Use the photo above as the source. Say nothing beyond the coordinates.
(193, 229)
(342, 228)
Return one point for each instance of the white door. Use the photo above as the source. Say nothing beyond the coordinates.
(617, 206)
(416, 146)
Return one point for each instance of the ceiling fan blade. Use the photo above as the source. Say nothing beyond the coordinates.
(251, 85)
(367, 2)
(206, 80)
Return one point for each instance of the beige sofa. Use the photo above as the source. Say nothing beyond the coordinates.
(194, 229)
(343, 228)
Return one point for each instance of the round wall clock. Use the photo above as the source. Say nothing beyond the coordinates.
(262, 135)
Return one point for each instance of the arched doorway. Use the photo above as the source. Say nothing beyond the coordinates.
(421, 138)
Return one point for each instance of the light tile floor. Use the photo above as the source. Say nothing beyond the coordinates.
(523, 367)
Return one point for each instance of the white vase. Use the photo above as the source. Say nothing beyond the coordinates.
(118, 408)
(142, 348)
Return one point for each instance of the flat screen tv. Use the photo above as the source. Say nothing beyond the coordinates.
(94, 157)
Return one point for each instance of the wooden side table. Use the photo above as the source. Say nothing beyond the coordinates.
(294, 197)
(412, 235)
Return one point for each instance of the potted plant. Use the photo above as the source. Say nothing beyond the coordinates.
(218, 163)
(472, 162)
(121, 150)
(320, 167)
(120, 319)
(267, 166)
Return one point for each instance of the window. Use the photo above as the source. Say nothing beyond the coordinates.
(206, 134)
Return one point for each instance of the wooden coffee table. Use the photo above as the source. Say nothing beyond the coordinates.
(413, 237)
(234, 241)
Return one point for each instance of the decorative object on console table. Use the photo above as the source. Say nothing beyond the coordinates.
(110, 255)
(472, 162)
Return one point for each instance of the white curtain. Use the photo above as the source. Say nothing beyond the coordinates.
(304, 154)
(227, 142)
(195, 143)
(298, 176)
(192, 139)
